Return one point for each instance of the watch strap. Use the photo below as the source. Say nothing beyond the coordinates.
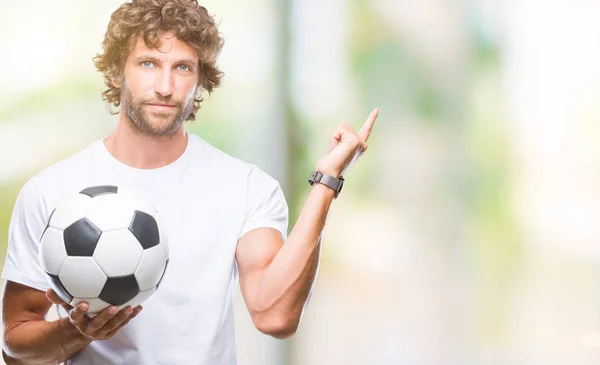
(335, 183)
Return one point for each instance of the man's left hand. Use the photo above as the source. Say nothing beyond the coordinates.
(346, 146)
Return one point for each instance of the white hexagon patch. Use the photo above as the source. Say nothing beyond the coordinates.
(69, 212)
(151, 268)
(110, 212)
(82, 277)
(118, 253)
(52, 250)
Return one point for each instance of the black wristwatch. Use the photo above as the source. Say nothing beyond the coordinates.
(335, 183)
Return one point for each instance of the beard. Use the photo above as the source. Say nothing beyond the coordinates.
(154, 123)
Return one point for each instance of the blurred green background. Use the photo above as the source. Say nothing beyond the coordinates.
(467, 234)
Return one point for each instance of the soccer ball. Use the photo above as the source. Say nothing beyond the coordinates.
(104, 246)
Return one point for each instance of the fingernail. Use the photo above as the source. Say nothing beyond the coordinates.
(112, 310)
(129, 310)
(83, 307)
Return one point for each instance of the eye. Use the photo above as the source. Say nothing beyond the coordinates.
(184, 68)
(147, 64)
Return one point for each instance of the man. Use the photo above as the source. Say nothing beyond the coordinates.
(224, 217)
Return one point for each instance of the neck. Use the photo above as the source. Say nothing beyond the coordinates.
(145, 152)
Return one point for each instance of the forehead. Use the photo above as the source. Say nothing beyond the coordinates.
(169, 47)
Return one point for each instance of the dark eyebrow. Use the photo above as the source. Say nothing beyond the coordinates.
(145, 57)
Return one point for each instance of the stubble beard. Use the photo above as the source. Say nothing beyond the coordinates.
(155, 124)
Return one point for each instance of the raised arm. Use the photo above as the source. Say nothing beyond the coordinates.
(276, 278)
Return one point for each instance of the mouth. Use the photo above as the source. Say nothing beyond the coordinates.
(161, 106)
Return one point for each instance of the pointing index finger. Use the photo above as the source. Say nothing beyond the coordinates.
(365, 130)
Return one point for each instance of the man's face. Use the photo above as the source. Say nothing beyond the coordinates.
(159, 85)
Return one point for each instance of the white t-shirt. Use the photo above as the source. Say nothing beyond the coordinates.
(207, 201)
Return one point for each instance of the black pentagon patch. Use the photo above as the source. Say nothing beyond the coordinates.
(163, 274)
(145, 229)
(94, 191)
(120, 290)
(59, 288)
(81, 238)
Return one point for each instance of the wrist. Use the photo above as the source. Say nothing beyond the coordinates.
(324, 191)
(329, 171)
(71, 331)
(335, 184)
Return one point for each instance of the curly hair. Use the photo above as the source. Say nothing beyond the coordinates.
(150, 19)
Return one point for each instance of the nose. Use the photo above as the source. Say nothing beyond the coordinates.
(164, 83)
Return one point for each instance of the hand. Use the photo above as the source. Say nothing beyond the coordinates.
(102, 326)
(346, 146)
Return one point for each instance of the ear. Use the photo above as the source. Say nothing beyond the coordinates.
(198, 92)
(115, 82)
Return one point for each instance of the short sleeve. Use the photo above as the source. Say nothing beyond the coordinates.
(266, 206)
(26, 227)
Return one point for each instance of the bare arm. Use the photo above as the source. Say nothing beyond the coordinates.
(30, 339)
(276, 279)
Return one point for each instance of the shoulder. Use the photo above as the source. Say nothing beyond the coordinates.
(58, 176)
(225, 164)
(66, 167)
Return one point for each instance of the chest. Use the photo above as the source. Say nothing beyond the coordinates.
(202, 218)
